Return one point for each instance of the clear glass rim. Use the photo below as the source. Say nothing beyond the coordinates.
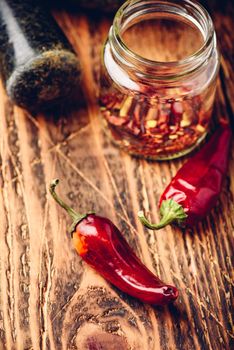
(186, 65)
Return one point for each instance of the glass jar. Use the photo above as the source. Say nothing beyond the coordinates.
(158, 79)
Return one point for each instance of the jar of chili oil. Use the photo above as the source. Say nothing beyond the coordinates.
(159, 72)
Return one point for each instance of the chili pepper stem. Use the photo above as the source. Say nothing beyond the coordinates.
(166, 220)
(76, 217)
(170, 212)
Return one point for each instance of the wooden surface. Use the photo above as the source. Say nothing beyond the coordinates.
(49, 298)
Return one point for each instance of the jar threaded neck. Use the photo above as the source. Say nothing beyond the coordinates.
(133, 10)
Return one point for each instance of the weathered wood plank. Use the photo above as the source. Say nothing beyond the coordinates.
(49, 298)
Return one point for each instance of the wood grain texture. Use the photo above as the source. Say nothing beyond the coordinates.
(49, 298)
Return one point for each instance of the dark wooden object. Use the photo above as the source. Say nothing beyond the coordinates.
(49, 298)
(37, 64)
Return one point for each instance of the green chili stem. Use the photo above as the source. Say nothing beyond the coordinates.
(170, 212)
(76, 217)
(166, 220)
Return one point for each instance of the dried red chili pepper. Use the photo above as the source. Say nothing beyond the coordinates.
(194, 190)
(99, 242)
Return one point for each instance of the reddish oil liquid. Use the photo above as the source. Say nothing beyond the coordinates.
(161, 130)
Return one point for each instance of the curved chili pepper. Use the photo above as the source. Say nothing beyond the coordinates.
(196, 187)
(100, 243)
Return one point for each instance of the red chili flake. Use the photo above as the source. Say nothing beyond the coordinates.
(116, 120)
(161, 128)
